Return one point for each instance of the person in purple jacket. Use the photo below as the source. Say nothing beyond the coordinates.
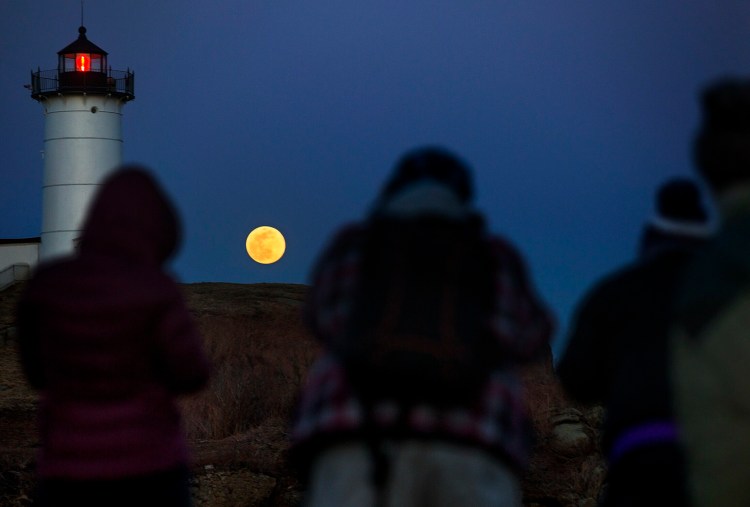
(107, 340)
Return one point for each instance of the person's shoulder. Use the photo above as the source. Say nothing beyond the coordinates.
(162, 279)
(161, 289)
(615, 281)
(499, 242)
(349, 230)
(639, 278)
(720, 269)
(504, 250)
(342, 241)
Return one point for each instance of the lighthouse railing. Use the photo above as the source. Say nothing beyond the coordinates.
(51, 82)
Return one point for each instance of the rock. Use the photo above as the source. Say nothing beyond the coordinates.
(595, 416)
(566, 415)
(569, 436)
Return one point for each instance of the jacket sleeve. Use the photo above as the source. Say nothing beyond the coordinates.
(182, 360)
(521, 322)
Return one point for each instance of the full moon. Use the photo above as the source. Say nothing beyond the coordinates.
(265, 244)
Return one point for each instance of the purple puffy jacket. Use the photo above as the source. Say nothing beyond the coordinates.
(106, 338)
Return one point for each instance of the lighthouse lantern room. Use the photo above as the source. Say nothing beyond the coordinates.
(82, 101)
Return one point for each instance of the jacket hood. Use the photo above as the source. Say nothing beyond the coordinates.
(423, 197)
(131, 217)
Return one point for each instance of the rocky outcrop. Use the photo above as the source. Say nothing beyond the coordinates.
(569, 435)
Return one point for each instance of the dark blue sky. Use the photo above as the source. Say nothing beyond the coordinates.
(291, 114)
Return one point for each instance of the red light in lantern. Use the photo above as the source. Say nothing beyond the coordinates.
(83, 62)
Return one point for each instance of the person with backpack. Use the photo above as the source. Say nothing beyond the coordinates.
(424, 319)
(617, 354)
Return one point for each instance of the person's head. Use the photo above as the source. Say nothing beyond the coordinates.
(680, 216)
(431, 163)
(132, 217)
(722, 145)
(428, 178)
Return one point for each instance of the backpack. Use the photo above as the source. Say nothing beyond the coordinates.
(418, 329)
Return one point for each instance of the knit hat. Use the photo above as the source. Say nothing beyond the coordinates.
(430, 163)
(680, 210)
(722, 145)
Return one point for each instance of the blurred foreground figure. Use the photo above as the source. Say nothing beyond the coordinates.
(712, 333)
(618, 354)
(107, 340)
(424, 318)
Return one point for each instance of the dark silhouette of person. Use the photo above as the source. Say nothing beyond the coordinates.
(617, 354)
(710, 337)
(468, 452)
(106, 339)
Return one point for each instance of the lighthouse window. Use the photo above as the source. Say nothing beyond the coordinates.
(83, 62)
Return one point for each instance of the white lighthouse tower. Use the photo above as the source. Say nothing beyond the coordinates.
(82, 100)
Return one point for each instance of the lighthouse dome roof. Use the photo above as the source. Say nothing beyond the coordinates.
(82, 45)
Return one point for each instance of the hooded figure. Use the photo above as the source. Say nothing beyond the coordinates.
(106, 339)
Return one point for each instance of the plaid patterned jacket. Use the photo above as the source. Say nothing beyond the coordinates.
(329, 412)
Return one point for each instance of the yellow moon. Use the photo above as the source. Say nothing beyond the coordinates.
(265, 244)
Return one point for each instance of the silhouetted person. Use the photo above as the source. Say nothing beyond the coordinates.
(712, 333)
(389, 415)
(618, 354)
(106, 338)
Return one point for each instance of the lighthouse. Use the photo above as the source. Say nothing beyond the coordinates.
(82, 99)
